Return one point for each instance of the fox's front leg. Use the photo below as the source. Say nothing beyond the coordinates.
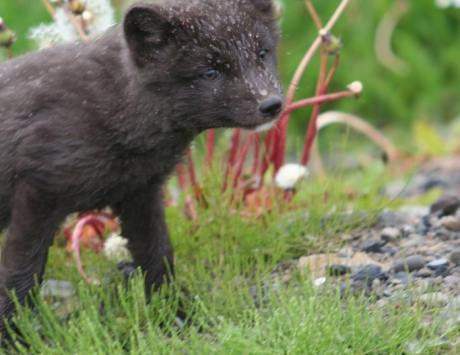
(143, 224)
(34, 220)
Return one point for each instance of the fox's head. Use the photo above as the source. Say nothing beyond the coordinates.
(214, 60)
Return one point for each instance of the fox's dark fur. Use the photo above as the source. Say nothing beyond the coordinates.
(104, 124)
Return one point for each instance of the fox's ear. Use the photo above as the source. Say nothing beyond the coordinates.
(264, 6)
(147, 28)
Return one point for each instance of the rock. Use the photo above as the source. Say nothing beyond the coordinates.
(412, 241)
(452, 280)
(443, 234)
(451, 223)
(337, 270)
(455, 256)
(437, 264)
(417, 211)
(393, 219)
(57, 288)
(402, 276)
(407, 230)
(411, 263)
(369, 273)
(374, 247)
(442, 272)
(434, 299)
(422, 229)
(316, 264)
(423, 273)
(345, 252)
(390, 234)
(445, 205)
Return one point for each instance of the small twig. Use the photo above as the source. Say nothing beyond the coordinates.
(241, 159)
(231, 156)
(314, 14)
(210, 140)
(48, 8)
(284, 120)
(191, 170)
(319, 99)
(181, 178)
(360, 125)
(256, 154)
(382, 42)
(75, 24)
(75, 239)
(331, 72)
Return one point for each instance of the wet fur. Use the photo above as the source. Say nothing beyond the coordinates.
(104, 124)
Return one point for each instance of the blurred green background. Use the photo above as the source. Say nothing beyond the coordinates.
(426, 38)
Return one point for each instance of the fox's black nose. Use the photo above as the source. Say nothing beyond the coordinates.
(271, 107)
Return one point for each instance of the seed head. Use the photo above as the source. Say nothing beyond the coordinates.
(7, 37)
(332, 43)
(77, 6)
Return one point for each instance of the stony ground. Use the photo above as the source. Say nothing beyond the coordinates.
(410, 255)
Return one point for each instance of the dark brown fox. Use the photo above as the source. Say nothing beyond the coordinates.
(104, 124)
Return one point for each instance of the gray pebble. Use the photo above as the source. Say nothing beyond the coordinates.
(411, 263)
(57, 288)
(402, 276)
(452, 280)
(374, 247)
(455, 256)
(390, 234)
(370, 273)
(437, 264)
(446, 205)
(451, 223)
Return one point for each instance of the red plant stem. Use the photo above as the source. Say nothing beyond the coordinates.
(256, 154)
(331, 73)
(181, 178)
(210, 139)
(312, 127)
(319, 99)
(76, 235)
(241, 159)
(191, 170)
(314, 15)
(231, 156)
(48, 8)
(280, 138)
(266, 157)
(320, 90)
(75, 24)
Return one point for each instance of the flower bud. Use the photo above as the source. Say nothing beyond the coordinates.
(77, 6)
(356, 87)
(7, 37)
(332, 43)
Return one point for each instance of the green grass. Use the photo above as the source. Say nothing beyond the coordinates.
(219, 264)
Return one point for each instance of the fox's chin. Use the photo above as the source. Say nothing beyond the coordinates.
(265, 126)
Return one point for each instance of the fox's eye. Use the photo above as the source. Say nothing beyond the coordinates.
(211, 74)
(263, 54)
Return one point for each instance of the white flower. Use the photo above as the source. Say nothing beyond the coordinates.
(356, 87)
(99, 16)
(115, 248)
(289, 175)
